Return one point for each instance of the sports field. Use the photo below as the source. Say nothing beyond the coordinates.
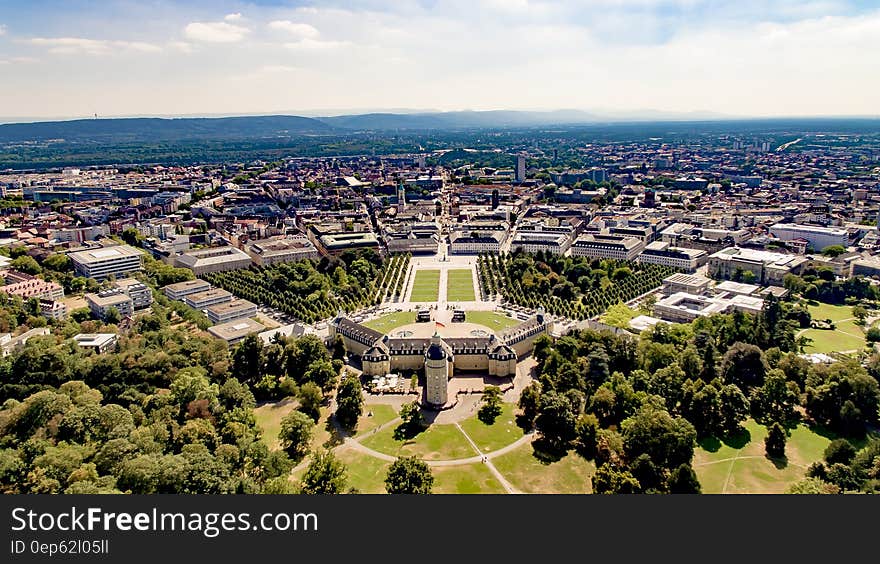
(426, 286)
(460, 286)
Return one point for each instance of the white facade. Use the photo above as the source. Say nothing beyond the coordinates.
(817, 237)
(107, 261)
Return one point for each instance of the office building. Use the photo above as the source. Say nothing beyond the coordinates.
(104, 262)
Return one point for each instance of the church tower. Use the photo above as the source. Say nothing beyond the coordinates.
(438, 363)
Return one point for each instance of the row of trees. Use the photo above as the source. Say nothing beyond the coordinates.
(314, 290)
(573, 287)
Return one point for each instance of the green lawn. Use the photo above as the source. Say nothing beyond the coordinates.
(466, 479)
(391, 321)
(438, 442)
(492, 320)
(569, 475)
(493, 437)
(832, 312)
(847, 337)
(426, 286)
(365, 472)
(460, 286)
(381, 414)
(269, 418)
(743, 468)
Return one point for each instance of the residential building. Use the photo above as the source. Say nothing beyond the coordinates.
(34, 288)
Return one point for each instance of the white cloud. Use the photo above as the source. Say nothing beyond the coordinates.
(215, 32)
(2, 29)
(181, 46)
(232, 17)
(308, 44)
(295, 28)
(84, 46)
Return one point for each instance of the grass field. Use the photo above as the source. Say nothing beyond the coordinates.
(569, 475)
(832, 312)
(742, 467)
(391, 321)
(847, 336)
(365, 473)
(493, 437)
(438, 442)
(381, 414)
(460, 286)
(426, 286)
(492, 320)
(269, 418)
(467, 479)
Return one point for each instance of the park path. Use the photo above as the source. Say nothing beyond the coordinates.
(356, 445)
(507, 485)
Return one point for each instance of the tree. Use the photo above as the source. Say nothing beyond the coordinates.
(491, 408)
(409, 475)
(774, 444)
(556, 420)
(683, 480)
(349, 402)
(310, 398)
(839, 451)
(112, 316)
(586, 430)
(744, 365)
(860, 313)
(611, 479)
(27, 265)
(297, 430)
(57, 262)
(132, 237)
(833, 250)
(413, 420)
(775, 401)
(653, 431)
(324, 475)
(812, 486)
(247, 360)
(530, 403)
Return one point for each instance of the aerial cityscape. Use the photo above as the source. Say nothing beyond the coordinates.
(446, 300)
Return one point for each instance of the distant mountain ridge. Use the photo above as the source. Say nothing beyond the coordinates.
(163, 129)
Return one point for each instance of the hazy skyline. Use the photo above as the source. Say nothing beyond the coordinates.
(746, 58)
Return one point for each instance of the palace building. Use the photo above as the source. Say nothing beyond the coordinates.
(440, 356)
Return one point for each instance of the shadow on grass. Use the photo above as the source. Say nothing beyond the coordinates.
(547, 452)
(779, 462)
(523, 423)
(407, 433)
(710, 444)
(337, 433)
(739, 439)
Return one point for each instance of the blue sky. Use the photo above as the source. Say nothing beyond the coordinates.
(125, 57)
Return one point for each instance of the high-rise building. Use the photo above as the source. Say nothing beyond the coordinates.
(520, 168)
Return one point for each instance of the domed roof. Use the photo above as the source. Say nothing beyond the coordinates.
(435, 352)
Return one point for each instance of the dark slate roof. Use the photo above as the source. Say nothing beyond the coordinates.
(359, 333)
